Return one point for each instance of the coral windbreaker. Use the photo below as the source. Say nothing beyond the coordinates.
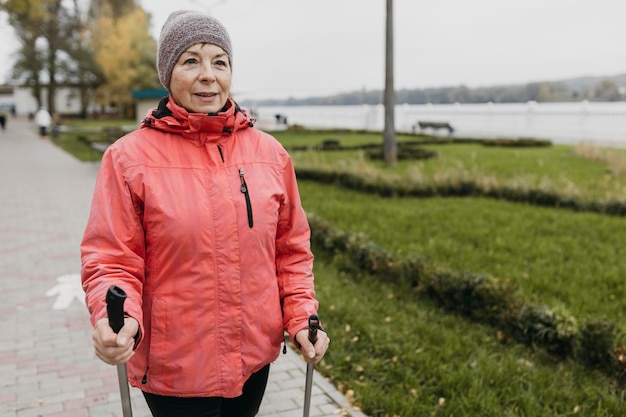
(198, 219)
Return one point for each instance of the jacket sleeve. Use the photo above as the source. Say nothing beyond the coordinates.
(294, 259)
(113, 246)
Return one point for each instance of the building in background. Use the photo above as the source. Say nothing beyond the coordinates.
(147, 99)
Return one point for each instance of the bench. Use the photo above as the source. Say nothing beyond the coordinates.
(434, 125)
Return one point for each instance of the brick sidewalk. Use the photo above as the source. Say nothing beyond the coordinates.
(47, 365)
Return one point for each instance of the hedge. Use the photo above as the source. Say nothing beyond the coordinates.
(594, 342)
(460, 188)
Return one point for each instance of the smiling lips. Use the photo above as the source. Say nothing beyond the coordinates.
(206, 95)
(206, 98)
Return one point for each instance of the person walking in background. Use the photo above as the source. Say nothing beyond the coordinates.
(3, 119)
(43, 120)
(197, 217)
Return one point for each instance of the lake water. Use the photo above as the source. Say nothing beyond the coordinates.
(569, 123)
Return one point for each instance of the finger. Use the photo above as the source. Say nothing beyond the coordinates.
(115, 360)
(104, 334)
(306, 347)
(102, 339)
(125, 337)
(127, 333)
(321, 347)
(115, 355)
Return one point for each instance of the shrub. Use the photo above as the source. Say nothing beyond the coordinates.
(454, 187)
(542, 326)
(518, 143)
(482, 298)
(406, 151)
(474, 295)
(598, 338)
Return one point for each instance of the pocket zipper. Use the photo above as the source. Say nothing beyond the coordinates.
(244, 190)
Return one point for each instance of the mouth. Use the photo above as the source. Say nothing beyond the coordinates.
(206, 95)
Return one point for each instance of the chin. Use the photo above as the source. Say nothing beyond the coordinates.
(208, 109)
(202, 110)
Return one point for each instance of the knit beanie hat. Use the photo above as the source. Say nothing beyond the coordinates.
(183, 29)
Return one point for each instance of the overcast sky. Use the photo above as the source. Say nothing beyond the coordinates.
(301, 48)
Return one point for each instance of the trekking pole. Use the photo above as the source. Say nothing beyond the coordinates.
(115, 309)
(314, 325)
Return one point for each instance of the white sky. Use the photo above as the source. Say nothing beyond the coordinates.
(301, 48)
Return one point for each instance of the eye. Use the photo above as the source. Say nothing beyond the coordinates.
(220, 63)
(190, 61)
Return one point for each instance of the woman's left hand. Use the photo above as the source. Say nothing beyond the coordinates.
(312, 353)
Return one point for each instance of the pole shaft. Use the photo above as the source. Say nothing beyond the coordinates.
(314, 325)
(307, 389)
(115, 298)
(127, 410)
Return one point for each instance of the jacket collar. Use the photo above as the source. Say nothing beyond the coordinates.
(170, 117)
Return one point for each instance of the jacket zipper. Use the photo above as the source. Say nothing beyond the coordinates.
(244, 190)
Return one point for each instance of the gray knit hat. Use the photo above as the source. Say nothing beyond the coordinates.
(183, 29)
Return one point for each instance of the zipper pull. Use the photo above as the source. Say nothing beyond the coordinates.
(244, 190)
(244, 187)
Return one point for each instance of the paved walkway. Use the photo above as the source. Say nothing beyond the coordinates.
(47, 365)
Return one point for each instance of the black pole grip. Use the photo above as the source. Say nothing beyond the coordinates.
(115, 307)
(314, 325)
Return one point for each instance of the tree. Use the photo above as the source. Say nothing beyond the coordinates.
(114, 8)
(126, 53)
(81, 69)
(390, 147)
(606, 90)
(27, 18)
(29, 65)
(45, 29)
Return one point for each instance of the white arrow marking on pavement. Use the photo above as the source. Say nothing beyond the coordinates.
(67, 289)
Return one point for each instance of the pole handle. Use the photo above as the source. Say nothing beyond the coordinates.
(115, 307)
(314, 326)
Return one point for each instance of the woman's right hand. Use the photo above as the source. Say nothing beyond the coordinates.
(112, 348)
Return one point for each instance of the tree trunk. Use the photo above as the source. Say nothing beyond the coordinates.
(52, 83)
(390, 147)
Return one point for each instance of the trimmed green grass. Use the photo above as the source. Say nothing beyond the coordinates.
(566, 259)
(396, 353)
(399, 355)
(69, 141)
(554, 169)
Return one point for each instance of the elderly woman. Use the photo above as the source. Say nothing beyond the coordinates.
(197, 217)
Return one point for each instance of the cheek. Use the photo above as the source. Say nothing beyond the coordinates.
(178, 87)
(225, 82)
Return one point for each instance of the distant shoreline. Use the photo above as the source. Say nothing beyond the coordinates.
(566, 123)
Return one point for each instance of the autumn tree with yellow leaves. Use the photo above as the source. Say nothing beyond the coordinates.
(105, 50)
(126, 54)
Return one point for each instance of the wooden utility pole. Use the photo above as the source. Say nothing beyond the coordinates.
(390, 147)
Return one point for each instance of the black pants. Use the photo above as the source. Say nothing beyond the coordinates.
(246, 405)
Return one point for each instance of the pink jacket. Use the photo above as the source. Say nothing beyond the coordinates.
(198, 218)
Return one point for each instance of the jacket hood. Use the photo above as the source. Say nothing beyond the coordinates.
(172, 118)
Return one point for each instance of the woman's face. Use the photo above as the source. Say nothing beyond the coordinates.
(201, 79)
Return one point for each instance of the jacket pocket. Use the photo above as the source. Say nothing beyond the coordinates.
(246, 194)
(156, 349)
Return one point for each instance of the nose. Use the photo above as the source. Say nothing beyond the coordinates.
(206, 73)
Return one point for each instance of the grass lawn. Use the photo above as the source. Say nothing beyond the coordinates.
(396, 353)
(399, 355)
(90, 129)
(563, 258)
